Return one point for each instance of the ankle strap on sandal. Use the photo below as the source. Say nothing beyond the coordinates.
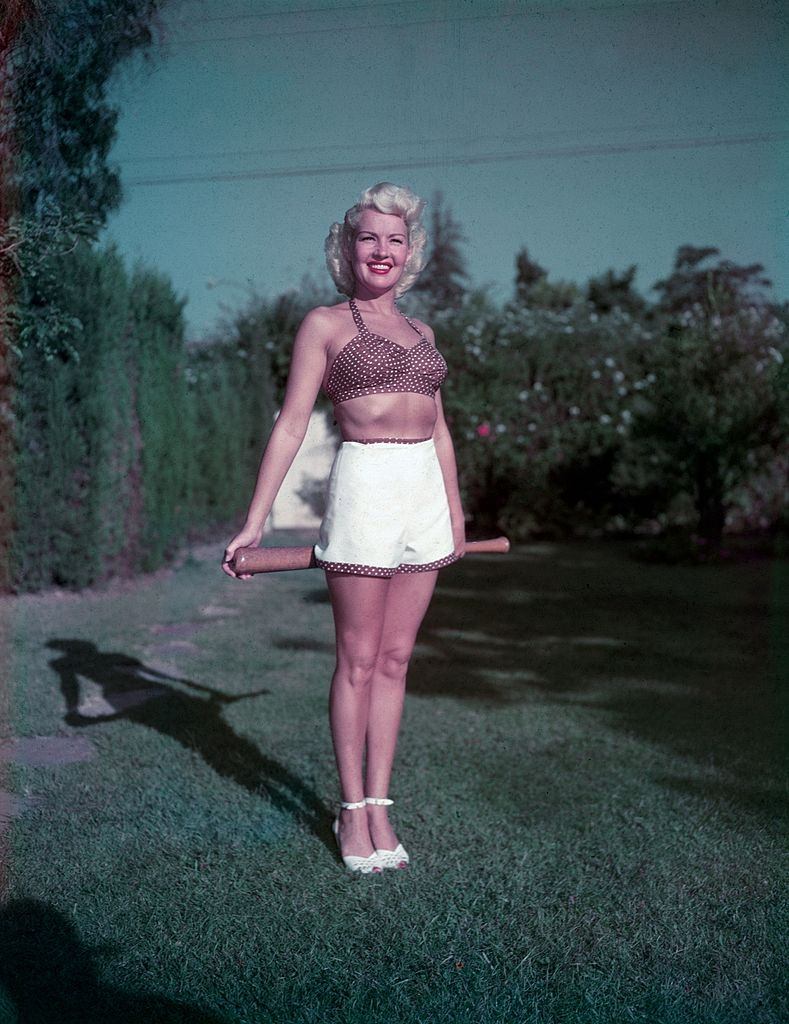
(352, 806)
(378, 801)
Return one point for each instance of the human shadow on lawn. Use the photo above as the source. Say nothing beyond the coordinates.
(138, 693)
(48, 975)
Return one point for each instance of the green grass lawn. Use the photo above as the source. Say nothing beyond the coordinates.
(589, 782)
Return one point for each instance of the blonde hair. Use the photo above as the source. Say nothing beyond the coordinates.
(385, 198)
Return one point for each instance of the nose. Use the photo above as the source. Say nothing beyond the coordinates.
(381, 248)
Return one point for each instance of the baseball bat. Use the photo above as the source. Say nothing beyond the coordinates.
(254, 560)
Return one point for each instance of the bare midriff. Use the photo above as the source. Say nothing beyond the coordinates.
(390, 415)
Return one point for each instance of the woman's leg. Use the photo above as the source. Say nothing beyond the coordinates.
(359, 605)
(406, 603)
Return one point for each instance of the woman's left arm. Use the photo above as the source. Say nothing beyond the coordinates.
(445, 451)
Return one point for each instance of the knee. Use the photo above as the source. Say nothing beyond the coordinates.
(393, 662)
(357, 668)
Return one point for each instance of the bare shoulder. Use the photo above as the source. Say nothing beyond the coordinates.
(321, 324)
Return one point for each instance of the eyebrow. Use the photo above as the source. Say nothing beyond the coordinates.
(394, 234)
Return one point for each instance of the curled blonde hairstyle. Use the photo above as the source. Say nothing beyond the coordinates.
(385, 198)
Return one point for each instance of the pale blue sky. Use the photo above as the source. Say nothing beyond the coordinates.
(597, 134)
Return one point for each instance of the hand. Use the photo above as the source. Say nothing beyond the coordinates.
(459, 537)
(247, 538)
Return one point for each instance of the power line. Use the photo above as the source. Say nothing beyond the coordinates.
(432, 140)
(482, 158)
(301, 10)
(617, 8)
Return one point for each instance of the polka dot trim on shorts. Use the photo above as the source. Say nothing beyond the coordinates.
(387, 440)
(385, 573)
(370, 364)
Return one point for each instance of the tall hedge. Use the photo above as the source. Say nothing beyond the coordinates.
(163, 430)
(128, 442)
(74, 435)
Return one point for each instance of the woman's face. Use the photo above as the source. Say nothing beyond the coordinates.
(380, 250)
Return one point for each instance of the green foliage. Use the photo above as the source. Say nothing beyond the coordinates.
(161, 436)
(272, 324)
(232, 411)
(536, 411)
(74, 436)
(57, 130)
(125, 441)
(718, 290)
(568, 421)
(611, 291)
(527, 273)
(715, 415)
(56, 189)
(442, 284)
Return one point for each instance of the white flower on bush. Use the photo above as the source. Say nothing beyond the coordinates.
(532, 427)
(501, 428)
(537, 386)
(651, 378)
(619, 376)
(610, 362)
(605, 418)
(621, 390)
(775, 354)
(621, 428)
(596, 374)
(524, 395)
(626, 415)
(574, 410)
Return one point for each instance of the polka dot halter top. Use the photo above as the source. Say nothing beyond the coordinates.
(371, 365)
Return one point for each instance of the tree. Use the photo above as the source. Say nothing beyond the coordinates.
(442, 283)
(718, 290)
(270, 325)
(527, 273)
(56, 184)
(715, 415)
(58, 126)
(615, 291)
(533, 289)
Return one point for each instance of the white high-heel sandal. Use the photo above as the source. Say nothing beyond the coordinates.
(397, 858)
(362, 865)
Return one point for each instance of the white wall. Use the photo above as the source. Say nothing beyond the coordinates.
(314, 459)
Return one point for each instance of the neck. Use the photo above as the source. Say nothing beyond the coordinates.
(376, 303)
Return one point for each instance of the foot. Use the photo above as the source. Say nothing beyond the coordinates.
(353, 834)
(390, 852)
(380, 831)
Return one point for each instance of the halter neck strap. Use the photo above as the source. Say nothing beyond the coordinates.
(364, 329)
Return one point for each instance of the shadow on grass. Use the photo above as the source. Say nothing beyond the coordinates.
(301, 643)
(48, 975)
(142, 694)
(681, 657)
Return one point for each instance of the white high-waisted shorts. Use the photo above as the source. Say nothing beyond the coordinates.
(387, 510)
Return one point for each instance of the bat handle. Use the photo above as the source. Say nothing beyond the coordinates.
(491, 546)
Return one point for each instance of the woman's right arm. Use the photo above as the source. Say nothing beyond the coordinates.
(307, 368)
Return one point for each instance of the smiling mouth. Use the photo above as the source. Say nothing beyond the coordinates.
(379, 268)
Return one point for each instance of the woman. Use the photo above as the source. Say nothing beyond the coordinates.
(394, 514)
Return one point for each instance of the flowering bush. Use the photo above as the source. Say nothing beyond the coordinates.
(571, 420)
(539, 401)
(713, 419)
